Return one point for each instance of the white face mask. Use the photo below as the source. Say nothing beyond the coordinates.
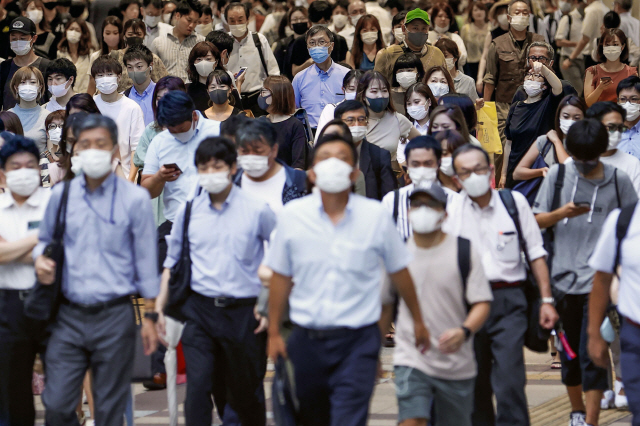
(76, 165)
(21, 47)
(238, 30)
(438, 89)
(358, 132)
(214, 183)
(614, 139)
(35, 16)
(519, 23)
(96, 163)
(633, 110)
(339, 21)
(450, 63)
(254, 165)
(565, 6)
(565, 125)
(425, 220)
(422, 175)
(185, 137)
(417, 112)
(406, 79)
(477, 185)
(23, 182)
(441, 30)
(204, 29)
(503, 21)
(107, 85)
(152, 21)
(333, 175)
(73, 36)
(349, 96)
(446, 166)
(55, 135)
(612, 53)
(27, 92)
(533, 88)
(369, 38)
(59, 90)
(205, 67)
(166, 17)
(399, 35)
(355, 19)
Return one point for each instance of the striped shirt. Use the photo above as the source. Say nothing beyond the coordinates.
(245, 54)
(175, 55)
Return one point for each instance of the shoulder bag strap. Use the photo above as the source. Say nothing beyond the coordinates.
(396, 203)
(256, 41)
(622, 227)
(510, 204)
(615, 182)
(185, 230)
(61, 219)
(464, 261)
(558, 187)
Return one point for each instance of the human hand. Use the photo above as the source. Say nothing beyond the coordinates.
(571, 210)
(566, 64)
(169, 174)
(276, 347)
(45, 270)
(422, 336)
(552, 135)
(480, 86)
(548, 316)
(598, 351)
(149, 336)
(451, 340)
(263, 322)
(503, 181)
(544, 171)
(161, 329)
(537, 67)
(479, 103)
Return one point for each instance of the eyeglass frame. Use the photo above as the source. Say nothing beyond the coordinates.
(479, 170)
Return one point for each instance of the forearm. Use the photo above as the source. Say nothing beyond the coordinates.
(505, 154)
(522, 172)
(404, 284)
(593, 97)
(541, 273)
(279, 291)
(15, 250)
(386, 317)
(579, 47)
(553, 80)
(598, 301)
(149, 305)
(565, 43)
(133, 169)
(163, 296)
(154, 184)
(488, 91)
(477, 316)
(547, 220)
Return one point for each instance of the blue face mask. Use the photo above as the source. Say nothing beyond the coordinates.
(378, 104)
(319, 54)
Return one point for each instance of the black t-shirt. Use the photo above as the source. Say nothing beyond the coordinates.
(44, 40)
(291, 141)
(300, 53)
(8, 101)
(199, 95)
(5, 45)
(498, 32)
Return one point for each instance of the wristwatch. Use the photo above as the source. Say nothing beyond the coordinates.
(549, 300)
(153, 316)
(467, 332)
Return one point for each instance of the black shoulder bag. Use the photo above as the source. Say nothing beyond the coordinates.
(43, 301)
(180, 281)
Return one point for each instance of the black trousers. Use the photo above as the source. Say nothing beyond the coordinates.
(222, 351)
(21, 338)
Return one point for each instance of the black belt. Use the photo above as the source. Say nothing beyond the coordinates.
(497, 285)
(22, 294)
(329, 333)
(633, 323)
(95, 308)
(227, 302)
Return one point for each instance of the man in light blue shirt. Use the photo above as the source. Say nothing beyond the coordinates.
(109, 255)
(227, 230)
(628, 92)
(138, 60)
(333, 245)
(321, 83)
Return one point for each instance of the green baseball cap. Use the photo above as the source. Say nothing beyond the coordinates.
(417, 14)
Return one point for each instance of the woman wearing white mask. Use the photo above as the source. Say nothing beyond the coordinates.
(407, 71)
(27, 86)
(461, 82)
(367, 42)
(419, 103)
(340, 22)
(54, 124)
(450, 141)
(349, 88)
(439, 81)
(396, 26)
(600, 81)
(76, 46)
(443, 18)
(530, 118)
(474, 33)
(46, 43)
(204, 58)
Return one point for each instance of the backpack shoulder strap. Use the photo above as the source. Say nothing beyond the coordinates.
(61, 218)
(464, 261)
(622, 227)
(396, 203)
(615, 182)
(258, 43)
(510, 204)
(185, 229)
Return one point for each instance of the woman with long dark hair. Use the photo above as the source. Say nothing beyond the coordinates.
(76, 46)
(367, 42)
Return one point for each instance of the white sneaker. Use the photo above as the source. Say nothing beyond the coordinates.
(90, 422)
(577, 418)
(607, 400)
(620, 400)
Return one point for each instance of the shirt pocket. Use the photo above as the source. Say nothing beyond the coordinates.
(354, 258)
(244, 248)
(509, 68)
(508, 247)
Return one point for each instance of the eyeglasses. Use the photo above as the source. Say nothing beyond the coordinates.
(479, 170)
(54, 126)
(520, 13)
(617, 128)
(634, 100)
(542, 59)
(351, 121)
(532, 76)
(318, 43)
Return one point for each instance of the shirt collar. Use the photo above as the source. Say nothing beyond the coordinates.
(34, 199)
(230, 197)
(147, 91)
(490, 206)
(328, 72)
(171, 35)
(317, 197)
(108, 182)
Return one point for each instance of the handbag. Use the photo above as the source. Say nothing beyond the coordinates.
(142, 365)
(536, 338)
(180, 279)
(43, 301)
(529, 188)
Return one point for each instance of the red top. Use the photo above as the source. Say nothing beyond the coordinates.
(609, 94)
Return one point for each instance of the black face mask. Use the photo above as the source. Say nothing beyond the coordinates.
(51, 5)
(133, 41)
(300, 28)
(219, 96)
(64, 3)
(76, 10)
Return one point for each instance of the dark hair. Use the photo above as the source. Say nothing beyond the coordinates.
(346, 133)
(332, 137)
(230, 126)
(398, 19)
(427, 142)
(97, 121)
(318, 10)
(207, 11)
(221, 40)
(624, 4)
(609, 35)
(448, 45)
(216, 148)
(221, 77)
(283, 98)
(455, 114)
(140, 52)
(105, 64)
(83, 102)
(611, 20)
(407, 60)
(358, 44)
(357, 74)
(185, 7)
(134, 25)
(124, 4)
(62, 66)
(234, 5)
(366, 80)
(175, 108)
(43, 25)
(468, 148)
(632, 82)
(286, 20)
(600, 109)
(116, 22)
(587, 139)
(447, 76)
(576, 101)
(155, 3)
(423, 90)
(169, 83)
(55, 115)
(478, 5)
(11, 122)
(256, 131)
(454, 140)
(439, 7)
(318, 29)
(15, 145)
(84, 45)
(465, 103)
(347, 106)
(200, 50)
